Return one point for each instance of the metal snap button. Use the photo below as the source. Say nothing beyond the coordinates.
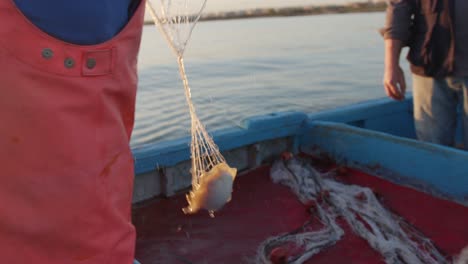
(91, 63)
(69, 63)
(47, 53)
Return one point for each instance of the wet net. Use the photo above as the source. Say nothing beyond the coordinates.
(212, 178)
(387, 233)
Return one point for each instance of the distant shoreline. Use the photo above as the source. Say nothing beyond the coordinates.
(295, 11)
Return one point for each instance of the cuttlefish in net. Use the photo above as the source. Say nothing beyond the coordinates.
(214, 190)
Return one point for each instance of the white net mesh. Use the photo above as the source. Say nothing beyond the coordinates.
(212, 178)
(387, 233)
(176, 19)
(462, 258)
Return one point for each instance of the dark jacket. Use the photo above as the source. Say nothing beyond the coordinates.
(432, 38)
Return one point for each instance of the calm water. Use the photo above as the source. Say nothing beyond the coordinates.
(240, 68)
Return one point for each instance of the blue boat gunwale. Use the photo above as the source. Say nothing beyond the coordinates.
(370, 128)
(437, 170)
(259, 128)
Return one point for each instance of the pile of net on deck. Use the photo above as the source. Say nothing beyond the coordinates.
(387, 233)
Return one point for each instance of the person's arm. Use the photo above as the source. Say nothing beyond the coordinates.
(396, 34)
(394, 77)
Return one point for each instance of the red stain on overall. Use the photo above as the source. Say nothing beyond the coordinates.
(15, 140)
(105, 172)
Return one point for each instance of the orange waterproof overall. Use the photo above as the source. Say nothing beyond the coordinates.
(66, 170)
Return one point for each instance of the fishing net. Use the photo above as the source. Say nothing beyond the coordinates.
(462, 258)
(329, 200)
(212, 178)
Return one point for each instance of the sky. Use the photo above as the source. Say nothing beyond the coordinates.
(224, 5)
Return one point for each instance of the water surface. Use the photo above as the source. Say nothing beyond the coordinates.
(240, 68)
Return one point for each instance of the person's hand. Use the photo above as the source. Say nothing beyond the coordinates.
(394, 82)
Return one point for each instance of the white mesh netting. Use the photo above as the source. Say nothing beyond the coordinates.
(462, 258)
(212, 178)
(387, 233)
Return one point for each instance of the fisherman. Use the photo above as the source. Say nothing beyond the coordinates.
(67, 100)
(436, 32)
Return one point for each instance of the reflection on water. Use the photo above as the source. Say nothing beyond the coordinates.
(240, 68)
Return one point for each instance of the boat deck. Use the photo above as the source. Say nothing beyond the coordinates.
(260, 209)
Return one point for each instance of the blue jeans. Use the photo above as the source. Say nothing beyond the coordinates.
(435, 108)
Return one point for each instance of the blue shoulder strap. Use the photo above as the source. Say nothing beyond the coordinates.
(83, 22)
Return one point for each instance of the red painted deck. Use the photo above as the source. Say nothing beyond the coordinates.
(260, 209)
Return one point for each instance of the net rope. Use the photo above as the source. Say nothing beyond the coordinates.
(176, 20)
(386, 232)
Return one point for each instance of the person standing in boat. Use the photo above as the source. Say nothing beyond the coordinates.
(67, 99)
(436, 32)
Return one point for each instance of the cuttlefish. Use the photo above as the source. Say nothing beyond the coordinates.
(214, 190)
